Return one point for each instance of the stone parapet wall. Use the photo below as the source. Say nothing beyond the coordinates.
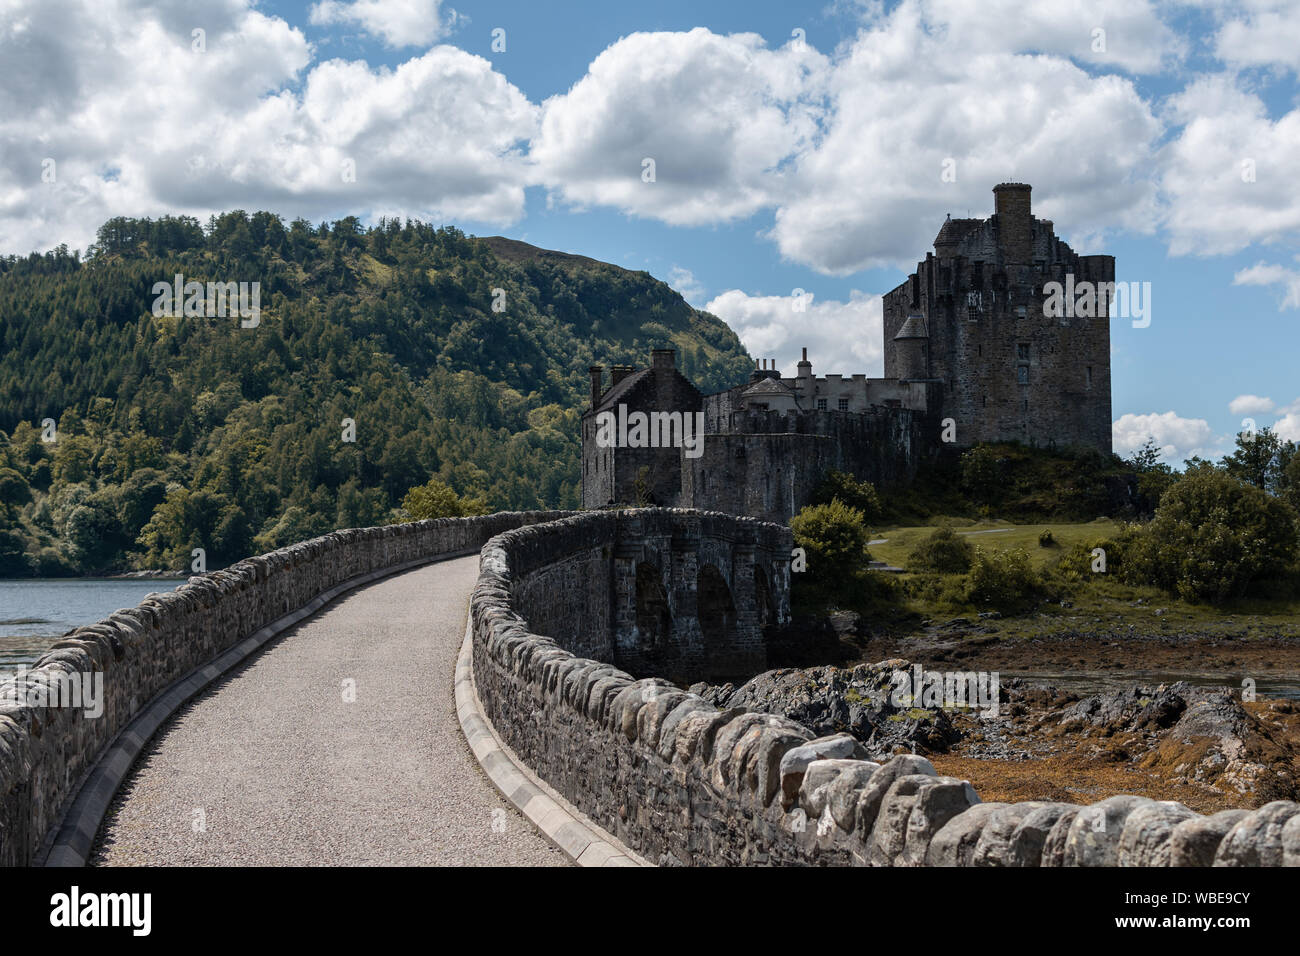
(684, 783)
(45, 751)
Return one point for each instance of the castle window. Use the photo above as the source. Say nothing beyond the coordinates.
(1022, 352)
(1088, 383)
(1020, 312)
(1022, 375)
(844, 404)
(821, 404)
(973, 306)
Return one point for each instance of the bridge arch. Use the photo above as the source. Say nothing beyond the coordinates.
(715, 606)
(654, 618)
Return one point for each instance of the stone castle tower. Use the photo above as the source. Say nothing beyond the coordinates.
(971, 320)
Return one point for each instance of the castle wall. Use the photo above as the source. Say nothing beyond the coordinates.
(768, 465)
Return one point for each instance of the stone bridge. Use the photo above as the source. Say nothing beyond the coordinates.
(329, 703)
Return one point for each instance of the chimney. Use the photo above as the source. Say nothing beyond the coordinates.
(805, 375)
(596, 373)
(619, 372)
(665, 359)
(1015, 222)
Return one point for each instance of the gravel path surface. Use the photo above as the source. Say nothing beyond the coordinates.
(273, 767)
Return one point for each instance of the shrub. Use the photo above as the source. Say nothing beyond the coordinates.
(1002, 579)
(1045, 539)
(1213, 537)
(835, 539)
(856, 494)
(943, 551)
(983, 474)
(1076, 564)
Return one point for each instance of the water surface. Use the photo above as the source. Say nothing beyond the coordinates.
(36, 612)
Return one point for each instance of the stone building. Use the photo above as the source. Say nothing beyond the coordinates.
(971, 355)
(972, 321)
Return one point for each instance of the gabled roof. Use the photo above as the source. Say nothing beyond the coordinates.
(768, 386)
(617, 392)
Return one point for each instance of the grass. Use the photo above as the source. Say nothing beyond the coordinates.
(998, 535)
(1101, 603)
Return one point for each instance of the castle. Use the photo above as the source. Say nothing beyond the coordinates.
(974, 353)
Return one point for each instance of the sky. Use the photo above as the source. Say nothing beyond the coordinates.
(796, 149)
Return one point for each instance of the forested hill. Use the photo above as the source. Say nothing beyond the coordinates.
(181, 432)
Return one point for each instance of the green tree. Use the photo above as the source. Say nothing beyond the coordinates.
(834, 537)
(434, 499)
(1260, 459)
(1213, 537)
(857, 494)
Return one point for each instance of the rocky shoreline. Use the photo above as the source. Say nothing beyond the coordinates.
(1201, 746)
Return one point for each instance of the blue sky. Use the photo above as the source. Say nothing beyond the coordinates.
(783, 161)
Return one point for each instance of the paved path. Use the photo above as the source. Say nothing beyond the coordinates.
(280, 770)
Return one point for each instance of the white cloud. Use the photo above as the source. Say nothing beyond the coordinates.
(1228, 177)
(438, 137)
(1288, 427)
(684, 281)
(1250, 405)
(718, 116)
(398, 23)
(1134, 38)
(1266, 274)
(1178, 438)
(842, 337)
(905, 101)
(848, 151)
(1266, 34)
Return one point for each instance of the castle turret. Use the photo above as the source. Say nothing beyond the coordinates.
(912, 344)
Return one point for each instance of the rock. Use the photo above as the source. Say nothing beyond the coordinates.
(844, 790)
(1195, 841)
(817, 778)
(1148, 830)
(856, 700)
(1094, 835)
(1291, 842)
(913, 810)
(955, 844)
(796, 761)
(1052, 847)
(668, 732)
(1013, 835)
(1256, 839)
(873, 793)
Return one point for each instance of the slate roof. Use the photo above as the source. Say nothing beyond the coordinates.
(913, 328)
